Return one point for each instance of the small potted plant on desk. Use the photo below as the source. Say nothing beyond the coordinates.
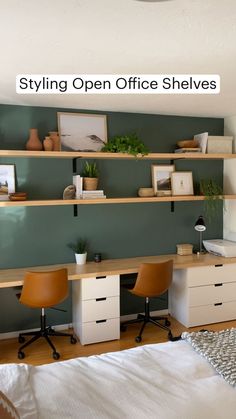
(80, 249)
(90, 176)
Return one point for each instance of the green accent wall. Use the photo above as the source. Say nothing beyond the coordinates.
(39, 235)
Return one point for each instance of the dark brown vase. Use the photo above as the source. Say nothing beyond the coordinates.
(34, 143)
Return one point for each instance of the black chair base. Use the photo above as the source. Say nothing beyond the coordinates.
(147, 318)
(44, 332)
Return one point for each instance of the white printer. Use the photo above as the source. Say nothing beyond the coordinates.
(221, 247)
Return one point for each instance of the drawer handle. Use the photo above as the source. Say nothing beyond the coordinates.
(218, 285)
(100, 321)
(101, 299)
(100, 277)
(218, 266)
(218, 304)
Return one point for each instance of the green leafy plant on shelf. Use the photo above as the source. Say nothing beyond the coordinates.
(79, 247)
(90, 170)
(213, 193)
(126, 144)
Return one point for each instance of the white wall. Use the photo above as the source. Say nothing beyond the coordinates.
(229, 219)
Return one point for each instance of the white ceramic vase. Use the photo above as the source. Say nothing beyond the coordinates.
(80, 258)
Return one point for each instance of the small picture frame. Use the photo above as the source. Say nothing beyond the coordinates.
(161, 179)
(7, 181)
(182, 183)
(81, 131)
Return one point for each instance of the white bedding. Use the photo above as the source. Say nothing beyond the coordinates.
(163, 381)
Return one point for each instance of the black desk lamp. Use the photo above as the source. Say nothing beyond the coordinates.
(200, 226)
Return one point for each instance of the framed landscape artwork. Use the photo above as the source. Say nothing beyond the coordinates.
(82, 132)
(7, 180)
(161, 179)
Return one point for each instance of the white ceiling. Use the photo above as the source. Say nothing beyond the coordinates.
(120, 37)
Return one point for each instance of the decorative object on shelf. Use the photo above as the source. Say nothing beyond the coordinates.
(184, 249)
(69, 192)
(48, 144)
(78, 182)
(161, 179)
(126, 144)
(82, 132)
(142, 192)
(55, 140)
(18, 196)
(80, 249)
(213, 193)
(93, 194)
(7, 181)
(220, 144)
(182, 183)
(187, 144)
(200, 226)
(90, 176)
(97, 257)
(202, 141)
(34, 143)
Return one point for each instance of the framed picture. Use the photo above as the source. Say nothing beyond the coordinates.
(81, 131)
(182, 183)
(161, 179)
(7, 181)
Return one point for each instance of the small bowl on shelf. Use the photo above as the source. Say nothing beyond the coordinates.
(18, 196)
(145, 192)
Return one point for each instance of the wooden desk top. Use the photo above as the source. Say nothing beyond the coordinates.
(15, 277)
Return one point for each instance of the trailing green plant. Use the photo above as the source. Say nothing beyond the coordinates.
(126, 144)
(79, 247)
(213, 193)
(90, 170)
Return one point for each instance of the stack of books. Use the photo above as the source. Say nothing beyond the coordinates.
(97, 194)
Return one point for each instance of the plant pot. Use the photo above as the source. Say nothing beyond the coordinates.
(90, 183)
(80, 258)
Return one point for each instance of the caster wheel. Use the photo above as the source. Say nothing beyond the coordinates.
(21, 339)
(21, 355)
(73, 340)
(167, 323)
(138, 339)
(56, 355)
(123, 328)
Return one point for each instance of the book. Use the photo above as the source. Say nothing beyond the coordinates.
(97, 192)
(78, 182)
(188, 150)
(93, 196)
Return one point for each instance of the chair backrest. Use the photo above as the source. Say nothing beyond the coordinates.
(153, 279)
(44, 289)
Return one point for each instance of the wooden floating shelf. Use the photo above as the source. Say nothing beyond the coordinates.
(136, 200)
(100, 155)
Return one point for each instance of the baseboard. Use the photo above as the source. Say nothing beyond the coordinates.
(153, 313)
(15, 334)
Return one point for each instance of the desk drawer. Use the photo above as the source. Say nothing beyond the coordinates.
(206, 275)
(212, 314)
(98, 309)
(92, 332)
(101, 286)
(210, 294)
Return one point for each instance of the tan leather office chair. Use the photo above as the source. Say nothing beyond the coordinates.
(42, 290)
(153, 280)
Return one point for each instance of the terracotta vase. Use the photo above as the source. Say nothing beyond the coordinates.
(56, 140)
(34, 142)
(48, 144)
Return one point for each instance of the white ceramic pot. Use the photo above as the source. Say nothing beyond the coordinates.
(80, 258)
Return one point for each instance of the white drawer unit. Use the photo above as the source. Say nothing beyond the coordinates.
(203, 295)
(96, 308)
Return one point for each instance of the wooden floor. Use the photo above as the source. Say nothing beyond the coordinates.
(40, 353)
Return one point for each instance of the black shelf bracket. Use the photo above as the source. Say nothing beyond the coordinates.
(75, 210)
(74, 165)
(172, 206)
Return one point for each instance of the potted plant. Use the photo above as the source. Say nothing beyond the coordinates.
(126, 144)
(213, 193)
(80, 249)
(90, 176)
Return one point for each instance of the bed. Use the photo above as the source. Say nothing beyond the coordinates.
(162, 381)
